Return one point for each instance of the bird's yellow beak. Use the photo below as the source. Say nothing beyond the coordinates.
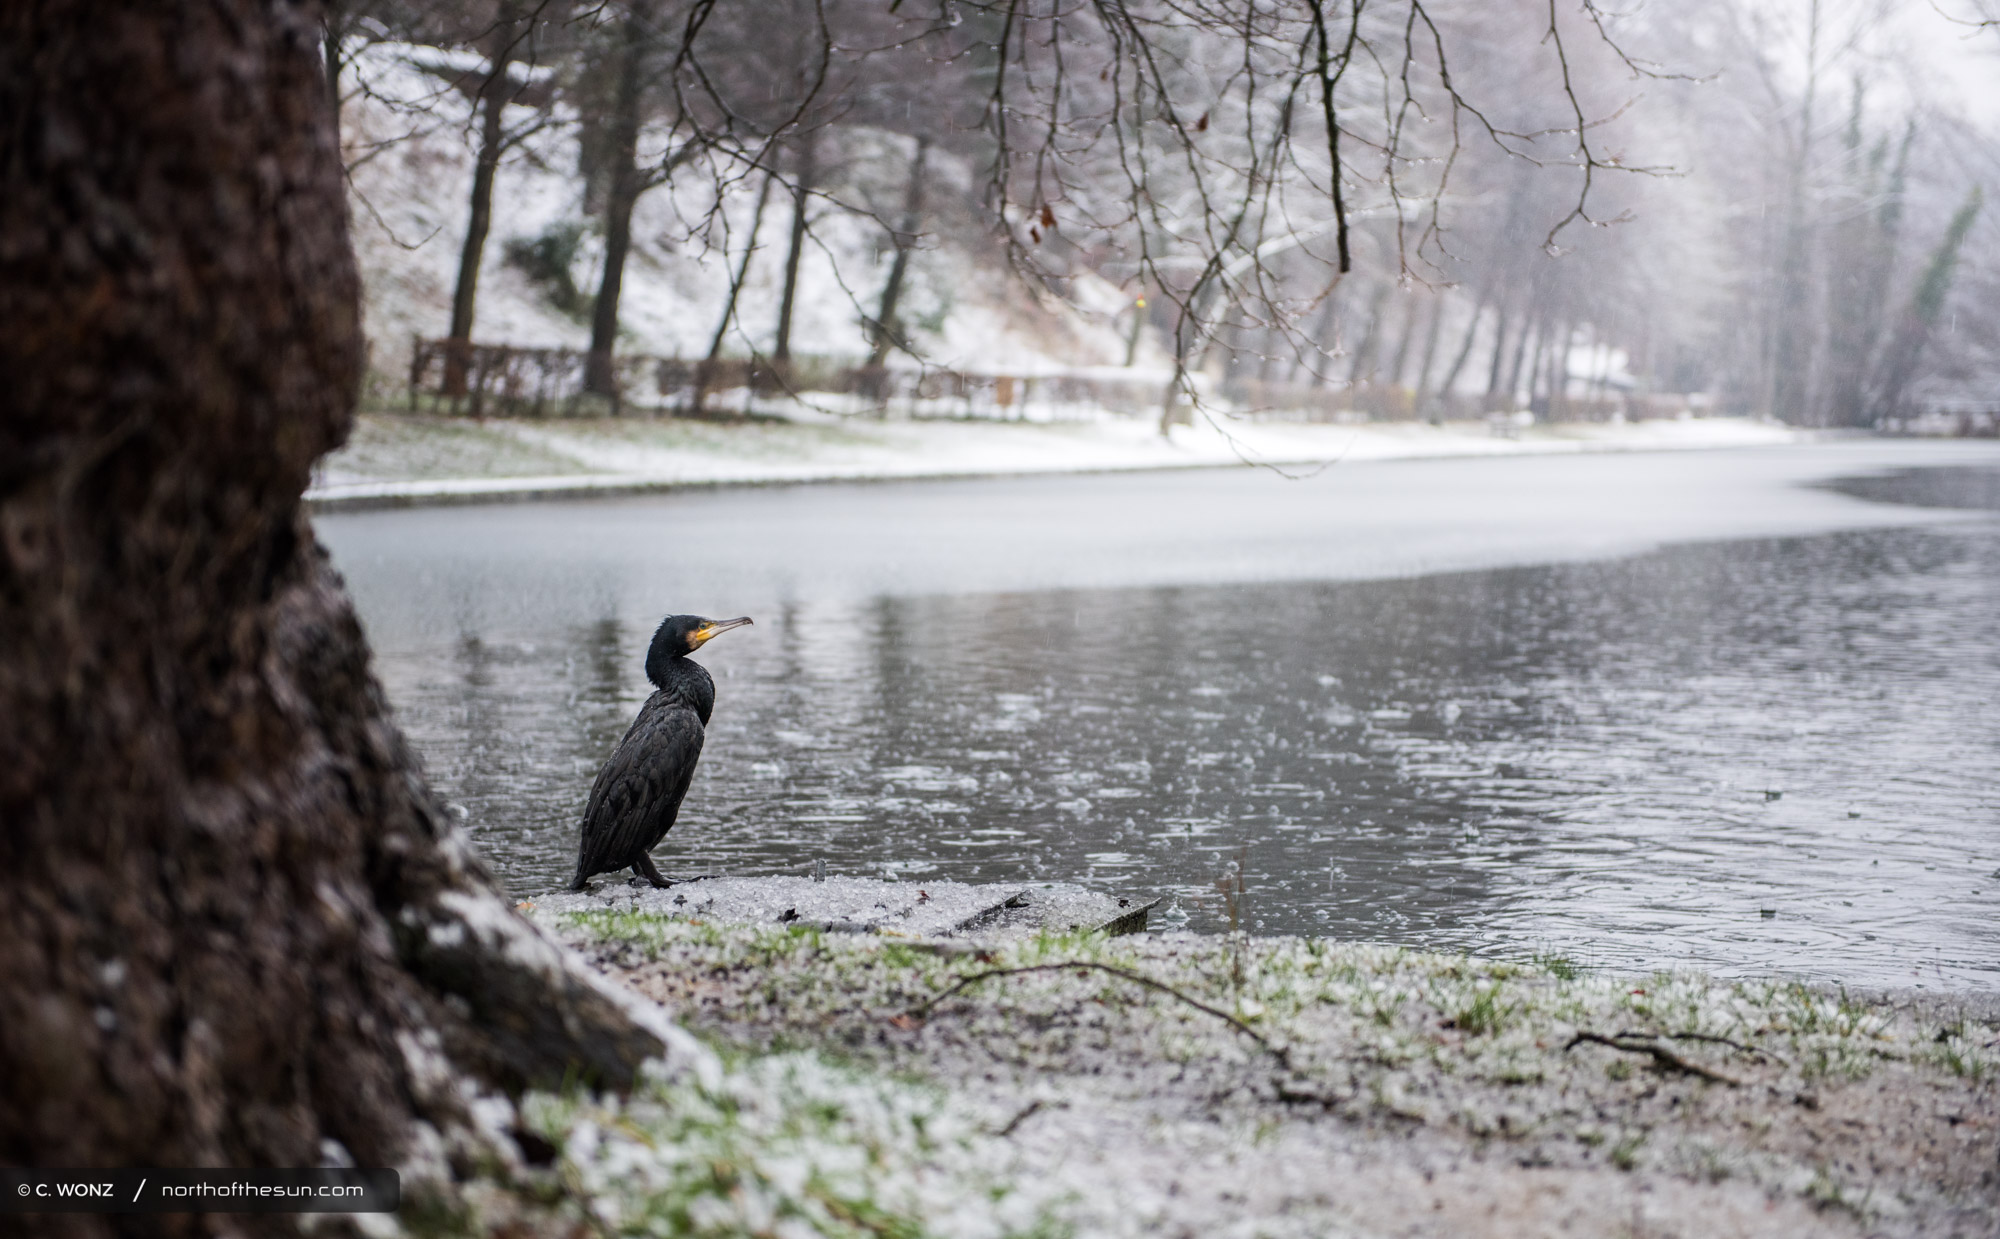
(712, 628)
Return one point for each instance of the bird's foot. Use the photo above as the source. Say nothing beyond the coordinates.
(659, 881)
(662, 882)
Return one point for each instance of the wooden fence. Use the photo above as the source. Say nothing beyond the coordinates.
(499, 380)
(489, 380)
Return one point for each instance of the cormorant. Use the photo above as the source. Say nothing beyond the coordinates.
(638, 793)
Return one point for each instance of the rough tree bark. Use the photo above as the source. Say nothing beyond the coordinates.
(600, 374)
(234, 926)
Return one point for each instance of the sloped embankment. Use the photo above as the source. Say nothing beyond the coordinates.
(1189, 1085)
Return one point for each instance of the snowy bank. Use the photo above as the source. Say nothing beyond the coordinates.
(1077, 1083)
(394, 460)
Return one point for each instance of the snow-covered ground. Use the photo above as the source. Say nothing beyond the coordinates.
(1169, 1084)
(417, 459)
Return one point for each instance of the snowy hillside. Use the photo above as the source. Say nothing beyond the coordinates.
(410, 144)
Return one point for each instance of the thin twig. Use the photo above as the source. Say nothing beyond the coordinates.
(1034, 1108)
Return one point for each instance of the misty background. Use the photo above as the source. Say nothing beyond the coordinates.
(1711, 207)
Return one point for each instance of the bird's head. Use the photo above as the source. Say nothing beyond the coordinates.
(681, 635)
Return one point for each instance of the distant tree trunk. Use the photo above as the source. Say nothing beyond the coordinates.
(1863, 307)
(1499, 355)
(493, 100)
(887, 333)
(805, 176)
(1429, 358)
(1926, 303)
(705, 373)
(333, 55)
(1529, 329)
(1405, 336)
(1322, 333)
(1450, 379)
(1362, 368)
(600, 373)
(1553, 372)
(234, 922)
(1792, 327)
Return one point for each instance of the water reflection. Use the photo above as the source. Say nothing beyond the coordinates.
(1932, 486)
(1750, 756)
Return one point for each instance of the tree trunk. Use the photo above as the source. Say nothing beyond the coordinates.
(1363, 367)
(1913, 332)
(1499, 356)
(1512, 388)
(333, 54)
(1432, 333)
(1406, 336)
(600, 375)
(887, 334)
(705, 372)
(1322, 332)
(1464, 351)
(479, 221)
(802, 187)
(1863, 307)
(235, 926)
(1793, 328)
(1552, 372)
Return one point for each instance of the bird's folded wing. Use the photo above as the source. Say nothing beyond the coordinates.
(639, 791)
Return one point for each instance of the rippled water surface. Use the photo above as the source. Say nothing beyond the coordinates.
(1771, 753)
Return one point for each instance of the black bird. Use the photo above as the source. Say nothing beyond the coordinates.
(638, 793)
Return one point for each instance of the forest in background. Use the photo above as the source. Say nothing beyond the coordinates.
(1421, 209)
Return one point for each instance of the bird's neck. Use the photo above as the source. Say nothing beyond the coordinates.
(687, 682)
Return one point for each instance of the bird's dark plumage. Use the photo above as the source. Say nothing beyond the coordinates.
(638, 794)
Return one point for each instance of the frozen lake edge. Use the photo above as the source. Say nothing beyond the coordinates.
(404, 461)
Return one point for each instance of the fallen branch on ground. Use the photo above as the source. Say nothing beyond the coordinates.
(1281, 1054)
(1710, 1038)
(1661, 1055)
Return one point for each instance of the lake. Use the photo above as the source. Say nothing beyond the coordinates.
(1712, 709)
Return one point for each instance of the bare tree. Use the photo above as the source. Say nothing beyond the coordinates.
(1205, 138)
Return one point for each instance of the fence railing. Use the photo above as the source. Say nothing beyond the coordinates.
(500, 380)
(491, 380)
